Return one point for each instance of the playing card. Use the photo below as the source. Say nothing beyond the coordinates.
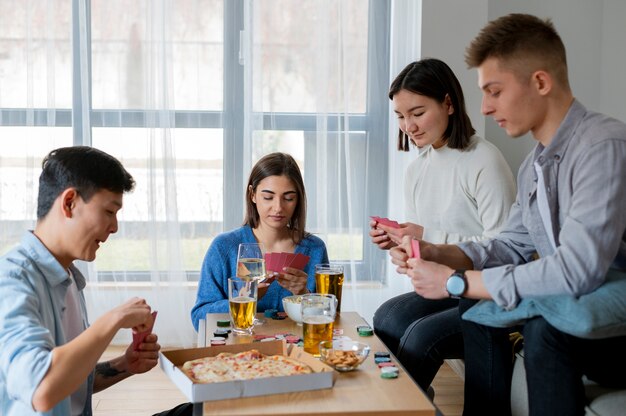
(270, 261)
(282, 259)
(415, 249)
(299, 261)
(138, 337)
(386, 222)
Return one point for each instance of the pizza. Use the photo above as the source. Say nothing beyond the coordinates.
(246, 365)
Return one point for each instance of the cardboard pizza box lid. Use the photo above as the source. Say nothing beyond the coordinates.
(323, 376)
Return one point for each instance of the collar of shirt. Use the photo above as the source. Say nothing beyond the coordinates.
(48, 265)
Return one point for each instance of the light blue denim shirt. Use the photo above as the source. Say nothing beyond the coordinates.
(584, 171)
(32, 286)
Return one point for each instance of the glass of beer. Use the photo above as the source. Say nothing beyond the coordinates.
(329, 279)
(318, 317)
(242, 298)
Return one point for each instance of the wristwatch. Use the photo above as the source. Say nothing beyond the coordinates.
(457, 284)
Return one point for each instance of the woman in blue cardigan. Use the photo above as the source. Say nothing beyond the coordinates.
(276, 218)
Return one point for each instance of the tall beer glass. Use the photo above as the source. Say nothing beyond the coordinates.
(318, 318)
(242, 298)
(329, 279)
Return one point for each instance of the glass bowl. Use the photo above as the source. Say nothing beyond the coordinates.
(343, 354)
(292, 305)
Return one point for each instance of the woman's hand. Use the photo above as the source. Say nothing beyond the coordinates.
(265, 284)
(294, 280)
(380, 237)
(406, 229)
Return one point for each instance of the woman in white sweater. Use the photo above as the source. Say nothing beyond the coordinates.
(459, 188)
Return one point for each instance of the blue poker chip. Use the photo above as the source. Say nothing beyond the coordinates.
(269, 313)
(379, 360)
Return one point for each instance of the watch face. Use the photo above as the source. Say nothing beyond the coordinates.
(456, 285)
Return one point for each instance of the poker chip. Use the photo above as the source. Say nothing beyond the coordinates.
(338, 331)
(379, 360)
(382, 354)
(292, 339)
(221, 332)
(269, 313)
(391, 374)
(223, 323)
(279, 316)
(389, 370)
(268, 339)
(365, 331)
(218, 341)
(387, 364)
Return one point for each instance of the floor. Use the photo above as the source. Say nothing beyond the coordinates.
(149, 393)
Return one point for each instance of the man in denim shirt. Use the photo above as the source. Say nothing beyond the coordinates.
(565, 229)
(47, 350)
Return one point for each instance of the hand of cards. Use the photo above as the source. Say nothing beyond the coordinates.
(385, 221)
(138, 337)
(274, 262)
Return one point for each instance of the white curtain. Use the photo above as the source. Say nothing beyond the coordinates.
(147, 78)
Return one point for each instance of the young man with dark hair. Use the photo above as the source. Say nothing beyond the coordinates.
(565, 232)
(48, 352)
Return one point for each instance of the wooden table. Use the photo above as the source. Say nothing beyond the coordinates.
(360, 392)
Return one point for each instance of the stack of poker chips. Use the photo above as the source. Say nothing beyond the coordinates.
(274, 314)
(364, 330)
(220, 334)
(387, 368)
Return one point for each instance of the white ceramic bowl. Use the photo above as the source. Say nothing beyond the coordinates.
(292, 305)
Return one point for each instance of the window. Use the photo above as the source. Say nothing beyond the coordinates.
(219, 84)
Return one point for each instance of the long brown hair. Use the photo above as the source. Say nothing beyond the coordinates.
(278, 164)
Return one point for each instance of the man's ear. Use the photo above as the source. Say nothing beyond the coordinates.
(542, 81)
(68, 201)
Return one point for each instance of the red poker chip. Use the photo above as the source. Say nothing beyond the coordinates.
(292, 339)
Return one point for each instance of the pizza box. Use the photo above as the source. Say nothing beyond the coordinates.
(171, 361)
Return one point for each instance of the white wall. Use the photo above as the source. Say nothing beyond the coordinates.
(594, 35)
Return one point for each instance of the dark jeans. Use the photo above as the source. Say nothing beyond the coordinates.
(554, 361)
(421, 333)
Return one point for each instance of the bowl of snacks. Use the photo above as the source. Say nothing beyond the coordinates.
(343, 354)
(292, 305)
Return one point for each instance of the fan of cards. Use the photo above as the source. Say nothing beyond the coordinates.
(274, 262)
(138, 337)
(385, 221)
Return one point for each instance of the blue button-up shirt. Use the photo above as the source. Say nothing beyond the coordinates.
(33, 285)
(584, 172)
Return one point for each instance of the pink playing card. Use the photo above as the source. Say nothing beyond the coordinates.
(415, 249)
(290, 259)
(269, 261)
(138, 337)
(300, 261)
(282, 259)
(386, 222)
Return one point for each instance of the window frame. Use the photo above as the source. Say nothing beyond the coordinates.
(82, 118)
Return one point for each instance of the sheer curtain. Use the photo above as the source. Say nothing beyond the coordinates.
(312, 89)
(189, 94)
